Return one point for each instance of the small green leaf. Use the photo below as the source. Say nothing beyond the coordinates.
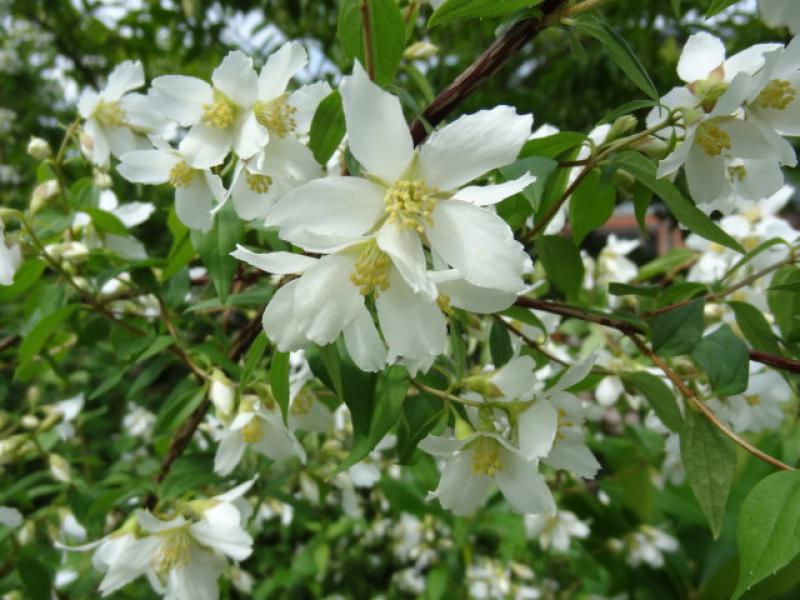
(279, 381)
(725, 359)
(253, 356)
(500, 344)
(458, 10)
(26, 277)
(591, 204)
(327, 128)
(687, 213)
(37, 337)
(388, 35)
(551, 146)
(620, 52)
(661, 398)
(627, 289)
(755, 328)
(626, 109)
(676, 258)
(710, 461)
(717, 6)
(562, 262)
(679, 330)
(36, 577)
(422, 413)
(106, 221)
(767, 531)
(215, 247)
(785, 304)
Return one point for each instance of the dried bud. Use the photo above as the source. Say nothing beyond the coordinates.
(39, 148)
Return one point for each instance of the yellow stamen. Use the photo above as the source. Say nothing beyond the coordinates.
(303, 402)
(737, 172)
(777, 95)
(443, 302)
(174, 552)
(221, 113)
(713, 139)
(110, 114)
(260, 184)
(371, 270)
(486, 457)
(276, 115)
(563, 423)
(753, 400)
(253, 431)
(410, 204)
(181, 175)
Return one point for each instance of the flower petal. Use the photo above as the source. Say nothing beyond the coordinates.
(229, 452)
(248, 135)
(702, 54)
(478, 244)
(705, 174)
(279, 321)
(181, 98)
(278, 263)
(405, 249)
(460, 490)
(472, 298)
(205, 146)
(484, 195)
(193, 204)
(236, 78)
(522, 485)
(472, 145)
(363, 342)
(516, 379)
(147, 166)
(126, 76)
(376, 128)
(233, 542)
(306, 100)
(280, 67)
(537, 426)
(575, 458)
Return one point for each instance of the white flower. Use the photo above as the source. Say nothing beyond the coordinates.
(115, 119)
(195, 189)
(556, 530)
(69, 410)
(139, 422)
(257, 427)
(478, 461)
(10, 259)
(781, 13)
(407, 193)
(759, 407)
(182, 557)
(647, 546)
(10, 517)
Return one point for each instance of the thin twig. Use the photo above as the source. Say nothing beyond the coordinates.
(366, 26)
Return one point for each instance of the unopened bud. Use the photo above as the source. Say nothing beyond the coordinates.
(59, 468)
(420, 51)
(652, 146)
(30, 422)
(102, 179)
(42, 195)
(622, 126)
(463, 429)
(221, 392)
(483, 385)
(39, 148)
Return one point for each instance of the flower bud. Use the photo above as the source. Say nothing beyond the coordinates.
(30, 422)
(59, 468)
(102, 179)
(483, 385)
(221, 392)
(42, 195)
(622, 126)
(420, 51)
(39, 148)
(651, 146)
(463, 429)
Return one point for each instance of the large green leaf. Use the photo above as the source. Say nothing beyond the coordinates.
(591, 204)
(687, 213)
(562, 262)
(327, 127)
(422, 413)
(216, 246)
(710, 461)
(458, 10)
(661, 398)
(279, 381)
(37, 337)
(500, 344)
(620, 52)
(785, 304)
(679, 330)
(717, 6)
(725, 359)
(768, 527)
(755, 327)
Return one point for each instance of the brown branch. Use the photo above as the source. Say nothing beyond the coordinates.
(779, 362)
(486, 65)
(366, 26)
(687, 392)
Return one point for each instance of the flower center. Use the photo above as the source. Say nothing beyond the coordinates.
(737, 172)
(713, 139)
(303, 402)
(260, 184)
(486, 458)
(443, 302)
(221, 113)
(276, 115)
(110, 114)
(708, 91)
(409, 204)
(777, 95)
(371, 270)
(752, 400)
(563, 423)
(174, 551)
(181, 175)
(253, 431)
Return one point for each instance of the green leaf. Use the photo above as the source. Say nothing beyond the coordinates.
(83, 194)
(755, 328)
(562, 262)
(500, 344)
(26, 277)
(215, 247)
(710, 462)
(388, 37)
(792, 286)
(36, 577)
(679, 330)
(687, 213)
(279, 381)
(674, 259)
(106, 221)
(620, 52)
(540, 166)
(253, 357)
(422, 413)
(661, 398)
(627, 108)
(718, 6)
(725, 359)
(327, 127)
(376, 416)
(767, 531)
(591, 204)
(627, 289)
(552, 146)
(458, 10)
(785, 305)
(642, 198)
(37, 337)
